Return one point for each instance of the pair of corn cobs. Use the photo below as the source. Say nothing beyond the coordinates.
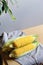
(21, 45)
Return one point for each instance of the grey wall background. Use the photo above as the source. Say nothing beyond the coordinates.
(28, 13)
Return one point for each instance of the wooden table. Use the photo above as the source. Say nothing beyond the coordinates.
(34, 30)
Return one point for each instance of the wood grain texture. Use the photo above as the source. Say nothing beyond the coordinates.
(34, 30)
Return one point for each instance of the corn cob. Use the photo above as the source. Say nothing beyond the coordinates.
(24, 40)
(23, 50)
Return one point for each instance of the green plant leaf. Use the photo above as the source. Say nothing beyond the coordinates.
(6, 9)
(12, 16)
(5, 6)
(12, 1)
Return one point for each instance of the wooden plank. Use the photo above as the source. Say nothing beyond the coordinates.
(35, 30)
(11, 62)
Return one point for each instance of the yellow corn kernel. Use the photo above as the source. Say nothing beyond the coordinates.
(21, 41)
(22, 50)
